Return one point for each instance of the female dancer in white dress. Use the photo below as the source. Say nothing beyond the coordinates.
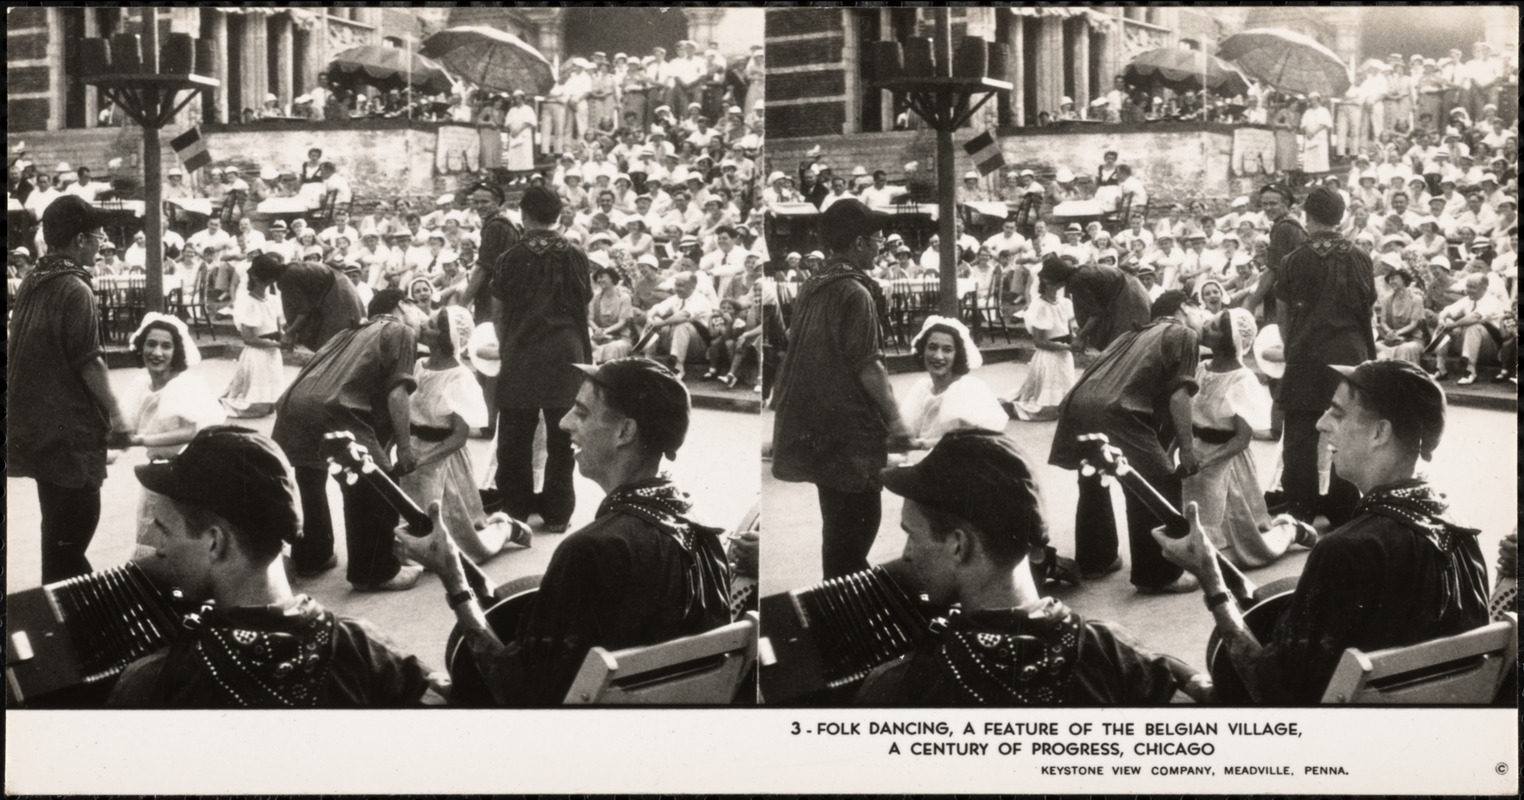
(259, 379)
(168, 403)
(447, 404)
(1230, 405)
(1050, 374)
(948, 398)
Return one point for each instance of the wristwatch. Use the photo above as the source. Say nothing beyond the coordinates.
(457, 599)
(1215, 600)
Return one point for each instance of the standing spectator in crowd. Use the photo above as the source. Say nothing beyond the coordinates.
(62, 413)
(521, 124)
(540, 288)
(836, 415)
(359, 382)
(1328, 293)
(1317, 126)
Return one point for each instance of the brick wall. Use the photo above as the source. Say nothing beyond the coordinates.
(807, 43)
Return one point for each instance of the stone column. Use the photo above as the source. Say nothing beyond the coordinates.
(220, 36)
(1082, 66)
(550, 31)
(1050, 64)
(285, 42)
(92, 95)
(1018, 69)
(254, 57)
(701, 24)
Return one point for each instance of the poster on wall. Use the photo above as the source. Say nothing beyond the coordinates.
(458, 150)
(1253, 151)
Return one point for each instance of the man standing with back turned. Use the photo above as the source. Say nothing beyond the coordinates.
(836, 410)
(540, 291)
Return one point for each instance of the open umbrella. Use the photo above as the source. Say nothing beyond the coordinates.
(1181, 69)
(390, 68)
(1289, 62)
(491, 59)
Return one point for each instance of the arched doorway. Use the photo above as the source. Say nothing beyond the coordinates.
(1426, 31)
(633, 31)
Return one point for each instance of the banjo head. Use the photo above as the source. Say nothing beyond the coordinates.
(1271, 600)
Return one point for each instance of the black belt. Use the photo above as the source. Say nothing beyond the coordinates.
(1212, 435)
(429, 434)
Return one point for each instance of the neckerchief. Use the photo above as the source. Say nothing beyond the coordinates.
(1012, 656)
(541, 242)
(258, 658)
(659, 503)
(1419, 507)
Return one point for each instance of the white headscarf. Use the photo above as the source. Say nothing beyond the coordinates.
(459, 327)
(971, 352)
(1244, 332)
(192, 353)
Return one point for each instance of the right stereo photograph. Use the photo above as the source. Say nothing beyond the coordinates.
(1133, 356)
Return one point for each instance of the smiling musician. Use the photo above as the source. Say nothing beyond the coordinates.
(639, 574)
(1401, 572)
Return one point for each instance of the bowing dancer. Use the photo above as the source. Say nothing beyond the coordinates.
(447, 404)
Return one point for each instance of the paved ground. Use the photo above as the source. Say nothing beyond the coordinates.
(718, 466)
(1476, 465)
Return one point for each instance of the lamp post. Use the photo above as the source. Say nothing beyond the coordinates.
(945, 97)
(127, 70)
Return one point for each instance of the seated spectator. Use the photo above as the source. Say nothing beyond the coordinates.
(1471, 325)
(682, 324)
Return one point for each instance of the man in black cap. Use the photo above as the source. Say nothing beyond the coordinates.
(642, 572)
(973, 517)
(836, 411)
(61, 411)
(225, 506)
(1326, 290)
(1137, 392)
(1400, 572)
(540, 291)
(361, 381)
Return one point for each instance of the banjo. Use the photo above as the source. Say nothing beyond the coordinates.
(1261, 605)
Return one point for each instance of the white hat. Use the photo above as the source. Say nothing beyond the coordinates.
(1440, 261)
(1269, 351)
(1240, 202)
(270, 97)
(481, 350)
(648, 260)
(599, 257)
(971, 175)
(115, 163)
(268, 174)
(1026, 173)
(173, 171)
(970, 350)
(445, 199)
(1066, 101)
(63, 166)
(1064, 175)
(815, 254)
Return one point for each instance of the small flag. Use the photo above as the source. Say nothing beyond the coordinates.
(986, 153)
(191, 149)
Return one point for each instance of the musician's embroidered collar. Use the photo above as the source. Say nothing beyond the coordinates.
(542, 241)
(276, 655)
(1012, 656)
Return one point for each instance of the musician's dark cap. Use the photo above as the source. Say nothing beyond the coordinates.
(237, 473)
(1401, 393)
(1324, 205)
(849, 218)
(648, 393)
(68, 217)
(981, 477)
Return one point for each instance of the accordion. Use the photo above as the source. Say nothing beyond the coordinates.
(83, 632)
(820, 641)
